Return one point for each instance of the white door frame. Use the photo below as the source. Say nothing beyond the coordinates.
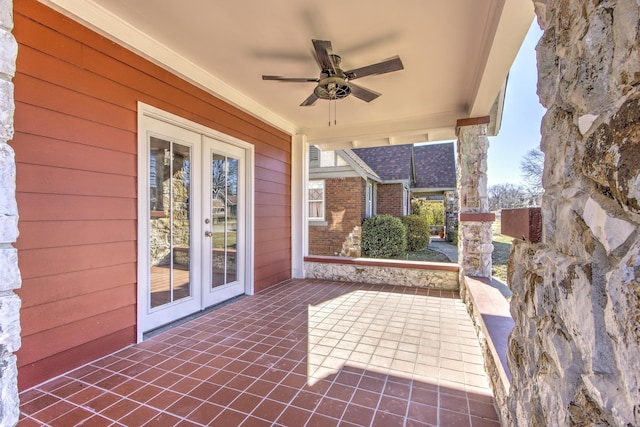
(145, 110)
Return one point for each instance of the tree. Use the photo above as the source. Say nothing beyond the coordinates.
(507, 196)
(531, 166)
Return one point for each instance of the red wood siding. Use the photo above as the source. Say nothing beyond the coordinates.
(76, 99)
(341, 195)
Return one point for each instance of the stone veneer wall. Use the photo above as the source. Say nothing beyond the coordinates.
(9, 272)
(575, 350)
(475, 220)
(444, 279)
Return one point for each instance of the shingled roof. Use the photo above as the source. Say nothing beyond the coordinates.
(435, 166)
(391, 162)
(429, 166)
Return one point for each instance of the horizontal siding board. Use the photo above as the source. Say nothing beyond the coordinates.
(262, 248)
(274, 258)
(271, 222)
(46, 39)
(31, 374)
(52, 207)
(55, 180)
(274, 165)
(42, 66)
(45, 289)
(264, 210)
(265, 174)
(47, 343)
(57, 314)
(51, 234)
(40, 150)
(272, 199)
(266, 235)
(267, 187)
(39, 121)
(53, 97)
(50, 261)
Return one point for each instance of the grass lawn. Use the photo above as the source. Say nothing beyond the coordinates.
(501, 250)
(425, 255)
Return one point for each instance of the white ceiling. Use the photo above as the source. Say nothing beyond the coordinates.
(456, 56)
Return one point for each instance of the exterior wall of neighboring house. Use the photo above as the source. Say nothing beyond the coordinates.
(391, 199)
(76, 148)
(344, 209)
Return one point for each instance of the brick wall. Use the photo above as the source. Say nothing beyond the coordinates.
(344, 209)
(390, 199)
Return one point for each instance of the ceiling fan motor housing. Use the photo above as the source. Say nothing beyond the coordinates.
(333, 82)
(332, 88)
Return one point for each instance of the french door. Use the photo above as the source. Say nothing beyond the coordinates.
(193, 222)
(224, 216)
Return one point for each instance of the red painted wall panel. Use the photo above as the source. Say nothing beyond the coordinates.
(76, 153)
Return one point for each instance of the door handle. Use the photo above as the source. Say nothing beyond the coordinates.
(207, 234)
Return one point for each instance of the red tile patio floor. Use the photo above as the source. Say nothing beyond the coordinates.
(302, 353)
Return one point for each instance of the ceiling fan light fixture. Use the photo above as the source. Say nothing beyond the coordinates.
(332, 88)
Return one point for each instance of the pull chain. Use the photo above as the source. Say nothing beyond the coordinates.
(335, 111)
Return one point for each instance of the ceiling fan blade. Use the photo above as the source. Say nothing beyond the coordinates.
(386, 66)
(323, 47)
(363, 93)
(310, 100)
(290, 79)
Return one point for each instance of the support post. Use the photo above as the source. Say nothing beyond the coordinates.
(475, 220)
(299, 230)
(9, 272)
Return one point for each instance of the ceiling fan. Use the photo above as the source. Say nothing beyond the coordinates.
(334, 83)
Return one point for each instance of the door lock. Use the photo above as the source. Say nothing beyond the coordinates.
(207, 234)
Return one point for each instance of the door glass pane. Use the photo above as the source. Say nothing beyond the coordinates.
(169, 223)
(224, 199)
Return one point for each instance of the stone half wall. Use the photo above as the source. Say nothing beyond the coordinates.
(383, 272)
(575, 350)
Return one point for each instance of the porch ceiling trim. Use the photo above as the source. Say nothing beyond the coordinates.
(112, 27)
(511, 25)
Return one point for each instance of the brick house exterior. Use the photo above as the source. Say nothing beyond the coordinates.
(367, 181)
(392, 200)
(344, 210)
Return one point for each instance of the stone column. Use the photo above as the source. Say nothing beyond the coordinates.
(574, 352)
(9, 273)
(474, 228)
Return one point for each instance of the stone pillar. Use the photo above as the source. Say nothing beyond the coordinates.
(9, 273)
(575, 350)
(474, 228)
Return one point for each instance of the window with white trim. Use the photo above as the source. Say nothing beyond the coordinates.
(316, 200)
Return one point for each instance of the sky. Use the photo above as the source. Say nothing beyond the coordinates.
(522, 114)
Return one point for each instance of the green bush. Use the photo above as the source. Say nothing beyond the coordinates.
(417, 232)
(383, 236)
(452, 235)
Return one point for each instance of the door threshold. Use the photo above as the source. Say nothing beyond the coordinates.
(168, 326)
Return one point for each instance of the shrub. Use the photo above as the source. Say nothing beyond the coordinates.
(452, 235)
(383, 236)
(417, 231)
